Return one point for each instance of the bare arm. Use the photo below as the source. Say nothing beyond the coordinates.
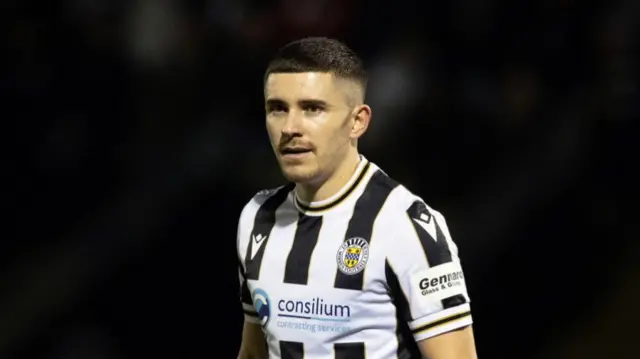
(457, 344)
(253, 345)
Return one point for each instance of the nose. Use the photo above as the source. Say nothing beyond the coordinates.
(292, 124)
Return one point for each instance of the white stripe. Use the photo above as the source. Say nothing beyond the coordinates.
(462, 308)
(449, 326)
(276, 251)
(323, 265)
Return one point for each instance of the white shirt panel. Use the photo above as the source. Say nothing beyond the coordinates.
(280, 241)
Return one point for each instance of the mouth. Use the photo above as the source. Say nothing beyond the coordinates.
(292, 152)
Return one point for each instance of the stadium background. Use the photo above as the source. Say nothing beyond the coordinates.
(136, 135)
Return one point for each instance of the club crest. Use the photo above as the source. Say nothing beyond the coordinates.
(353, 255)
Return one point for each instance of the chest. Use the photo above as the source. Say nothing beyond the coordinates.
(317, 273)
(321, 252)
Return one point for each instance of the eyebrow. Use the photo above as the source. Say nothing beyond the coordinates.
(313, 102)
(301, 103)
(275, 102)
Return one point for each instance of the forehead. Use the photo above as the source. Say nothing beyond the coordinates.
(310, 85)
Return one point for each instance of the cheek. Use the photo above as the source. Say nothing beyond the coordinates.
(335, 138)
(273, 132)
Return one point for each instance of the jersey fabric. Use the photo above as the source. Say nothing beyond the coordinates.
(364, 274)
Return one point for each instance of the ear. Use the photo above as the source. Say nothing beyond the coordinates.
(361, 116)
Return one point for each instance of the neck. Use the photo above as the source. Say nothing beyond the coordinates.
(331, 185)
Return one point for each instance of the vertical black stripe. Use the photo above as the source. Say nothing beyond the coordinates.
(436, 249)
(349, 350)
(263, 224)
(361, 223)
(304, 242)
(291, 350)
(407, 346)
(245, 295)
(398, 297)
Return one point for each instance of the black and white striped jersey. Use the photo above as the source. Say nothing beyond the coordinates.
(364, 274)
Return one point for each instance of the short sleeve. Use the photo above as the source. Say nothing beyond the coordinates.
(425, 276)
(250, 314)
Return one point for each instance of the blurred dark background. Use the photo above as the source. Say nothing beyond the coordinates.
(137, 135)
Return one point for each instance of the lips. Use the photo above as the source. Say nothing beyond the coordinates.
(294, 150)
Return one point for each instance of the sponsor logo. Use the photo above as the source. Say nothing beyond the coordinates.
(262, 304)
(441, 281)
(425, 221)
(353, 255)
(313, 315)
(258, 240)
(316, 309)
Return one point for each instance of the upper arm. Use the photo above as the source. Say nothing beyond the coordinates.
(426, 280)
(248, 308)
(253, 345)
(456, 344)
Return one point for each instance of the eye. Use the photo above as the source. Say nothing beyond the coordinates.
(313, 108)
(276, 109)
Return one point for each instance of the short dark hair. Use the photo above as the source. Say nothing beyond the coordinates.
(318, 54)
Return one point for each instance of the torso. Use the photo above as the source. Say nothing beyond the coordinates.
(321, 274)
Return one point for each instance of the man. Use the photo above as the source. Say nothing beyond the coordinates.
(343, 262)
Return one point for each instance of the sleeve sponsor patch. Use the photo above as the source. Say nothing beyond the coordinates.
(438, 282)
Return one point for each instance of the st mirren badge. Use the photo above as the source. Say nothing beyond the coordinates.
(353, 255)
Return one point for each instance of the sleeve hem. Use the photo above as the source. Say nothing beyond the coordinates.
(441, 322)
(443, 328)
(250, 314)
(251, 319)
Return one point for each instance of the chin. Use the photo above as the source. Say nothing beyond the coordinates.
(299, 174)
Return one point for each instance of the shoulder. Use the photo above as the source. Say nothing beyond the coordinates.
(406, 216)
(251, 208)
(402, 201)
(264, 195)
